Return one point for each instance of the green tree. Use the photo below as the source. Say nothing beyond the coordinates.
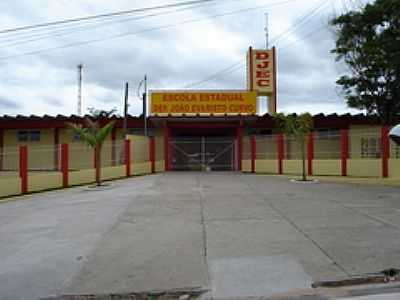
(94, 135)
(99, 113)
(368, 42)
(298, 127)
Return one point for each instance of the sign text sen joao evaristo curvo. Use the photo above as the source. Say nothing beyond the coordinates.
(204, 102)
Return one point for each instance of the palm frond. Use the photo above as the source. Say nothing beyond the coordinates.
(84, 133)
(102, 133)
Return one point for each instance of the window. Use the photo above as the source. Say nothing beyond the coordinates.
(140, 131)
(397, 151)
(28, 136)
(76, 137)
(34, 136)
(327, 134)
(22, 136)
(370, 148)
(259, 131)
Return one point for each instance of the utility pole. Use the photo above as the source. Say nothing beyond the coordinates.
(126, 108)
(79, 109)
(145, 105)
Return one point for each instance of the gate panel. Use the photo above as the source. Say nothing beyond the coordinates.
(203, 153)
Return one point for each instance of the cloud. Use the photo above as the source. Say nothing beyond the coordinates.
(46, 83)
(6, 104)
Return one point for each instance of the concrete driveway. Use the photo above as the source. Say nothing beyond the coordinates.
(237, 235)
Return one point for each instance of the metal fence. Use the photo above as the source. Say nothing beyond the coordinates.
(325, 145)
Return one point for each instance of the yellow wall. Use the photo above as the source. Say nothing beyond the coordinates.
(160, 166)
(246, 165)
(394, 150)
(40, 182)
(292, 149)
(356, 133)
(329, 149)
(267, 166)
(330, 167)
(81, 177)
(364, 167)
(81, 154)
(139, 148)
(394, 168)
(292, 167)
(266, 147)
(141, 168)
(41, 153)
(10, 186)
(113, 172)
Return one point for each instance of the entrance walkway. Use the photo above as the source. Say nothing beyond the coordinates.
(239, 235)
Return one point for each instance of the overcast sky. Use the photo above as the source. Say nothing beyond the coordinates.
(182, 54)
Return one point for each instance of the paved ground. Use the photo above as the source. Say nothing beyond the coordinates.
(239, 235)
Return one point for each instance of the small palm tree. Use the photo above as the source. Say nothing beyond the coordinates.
(94, 135)
(299, 127)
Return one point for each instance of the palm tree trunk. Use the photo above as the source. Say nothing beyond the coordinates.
(97, 150)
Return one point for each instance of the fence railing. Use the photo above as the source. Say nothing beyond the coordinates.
(339, 152)
(342, 153)
(26, 169)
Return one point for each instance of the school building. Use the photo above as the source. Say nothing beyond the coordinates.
(194, 131)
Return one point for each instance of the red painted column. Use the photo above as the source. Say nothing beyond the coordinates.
(239, 136)
(167, 148)
(65, 164)
(344, 141)
(1, 148)
(253, 147)
(310, 153)
(281, 152)
(152, 152)
(56, 149)
(113, 147)
(385, 151)
(23, 168)
(128, 157)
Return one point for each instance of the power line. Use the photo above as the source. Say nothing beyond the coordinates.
(75, 44)
(100, 16)
(229, 70)
(20, 40)
(43, 33)
(67, 31)
(302, 20)
(216, 75)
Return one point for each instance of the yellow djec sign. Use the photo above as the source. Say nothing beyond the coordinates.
(203, 103)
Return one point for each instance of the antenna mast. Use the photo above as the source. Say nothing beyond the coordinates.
(266, 31)
(80, 67)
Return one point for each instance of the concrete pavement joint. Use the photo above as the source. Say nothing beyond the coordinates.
(204, 230)
(379, 220)
(69, 281)
(309, 238)
(293, 224)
